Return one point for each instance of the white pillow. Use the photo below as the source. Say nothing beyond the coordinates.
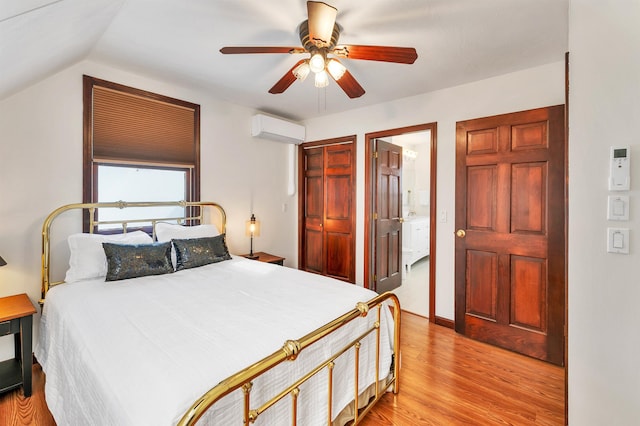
(87, 259)
(168, 231)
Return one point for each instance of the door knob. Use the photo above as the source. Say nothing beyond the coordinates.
(460, 233)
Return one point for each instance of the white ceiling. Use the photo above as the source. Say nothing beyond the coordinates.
(457, 41)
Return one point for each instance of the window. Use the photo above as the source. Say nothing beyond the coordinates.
(151, 184)
(138, 146)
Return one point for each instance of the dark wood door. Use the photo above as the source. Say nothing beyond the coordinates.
(510, 238)
(327, 243)
(388, 216)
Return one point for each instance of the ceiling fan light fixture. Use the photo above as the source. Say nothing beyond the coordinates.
(302, 71)
(317, 62)
(336, 69)
(322, 79)
(319, 35)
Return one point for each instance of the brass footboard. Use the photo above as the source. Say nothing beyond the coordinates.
(289, 352)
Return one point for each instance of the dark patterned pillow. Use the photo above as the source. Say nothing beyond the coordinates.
(131, 261)
(194, 252)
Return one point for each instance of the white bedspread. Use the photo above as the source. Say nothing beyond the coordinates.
(141, 351)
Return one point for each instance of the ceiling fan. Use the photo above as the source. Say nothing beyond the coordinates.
(319, 36)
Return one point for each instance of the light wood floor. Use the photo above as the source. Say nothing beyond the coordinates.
(446, 379)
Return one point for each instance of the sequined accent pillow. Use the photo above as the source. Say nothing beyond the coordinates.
(194, 252)
(131, 261)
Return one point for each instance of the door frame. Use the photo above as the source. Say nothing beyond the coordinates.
(369, 187)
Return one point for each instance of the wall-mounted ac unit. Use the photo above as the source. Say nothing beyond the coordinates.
(277, 129)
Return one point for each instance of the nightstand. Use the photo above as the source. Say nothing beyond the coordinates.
(16, 317)
(266, 257)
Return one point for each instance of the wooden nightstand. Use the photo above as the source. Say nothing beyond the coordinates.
(266, 257)
(16, 317)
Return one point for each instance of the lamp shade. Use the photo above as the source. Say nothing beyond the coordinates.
(316, 62)
(302, 71)
(253, 227)
(322, 79)
(336, 69)
(2, 261)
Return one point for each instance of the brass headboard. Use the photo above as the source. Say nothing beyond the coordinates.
(195, 214)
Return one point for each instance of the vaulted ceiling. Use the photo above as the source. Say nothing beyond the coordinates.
(457, 41)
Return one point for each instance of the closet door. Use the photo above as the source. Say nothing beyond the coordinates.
(327, 208)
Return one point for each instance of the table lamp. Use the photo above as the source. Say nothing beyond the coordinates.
(253, 230)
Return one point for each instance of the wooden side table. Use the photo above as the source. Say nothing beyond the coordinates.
(16, 317)
(266, 257)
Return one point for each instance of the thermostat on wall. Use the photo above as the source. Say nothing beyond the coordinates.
(619, 169)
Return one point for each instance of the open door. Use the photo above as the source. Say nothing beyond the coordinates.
(510, 238)
(388, 216)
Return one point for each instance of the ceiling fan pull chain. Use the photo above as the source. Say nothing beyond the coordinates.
(322, 106)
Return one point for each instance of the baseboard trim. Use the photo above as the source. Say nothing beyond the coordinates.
(445, 322)
(414, 314)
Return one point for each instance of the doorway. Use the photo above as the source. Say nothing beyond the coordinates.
(415, 260)
(418, 207)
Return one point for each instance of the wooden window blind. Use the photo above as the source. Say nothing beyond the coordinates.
(131, 127)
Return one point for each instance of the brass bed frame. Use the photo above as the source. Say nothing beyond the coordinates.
(194, 213)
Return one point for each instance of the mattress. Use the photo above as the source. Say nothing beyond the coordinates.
(141, 351)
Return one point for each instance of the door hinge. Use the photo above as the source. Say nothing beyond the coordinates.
(375, 216)
(375, 278)
(375, 154)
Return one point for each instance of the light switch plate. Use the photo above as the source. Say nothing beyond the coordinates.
(618, 207)
(618, 240)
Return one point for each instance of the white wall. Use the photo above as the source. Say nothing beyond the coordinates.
(41, 169)
(532, 88)
(422, 178)
(604, 289)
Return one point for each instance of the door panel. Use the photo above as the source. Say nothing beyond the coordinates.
(510, 262)
(528, 198)
(338, 208)
(482, 268)
(313, 193)
(529, 292)
(481, 197)
(388, 225)
(484, 141)
(313, 251)
(339, 212)
(337, 263)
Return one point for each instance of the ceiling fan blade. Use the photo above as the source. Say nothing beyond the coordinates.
(322, 18)
(349, 84)
(401, 55)
(261, 49)
(286, 80)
